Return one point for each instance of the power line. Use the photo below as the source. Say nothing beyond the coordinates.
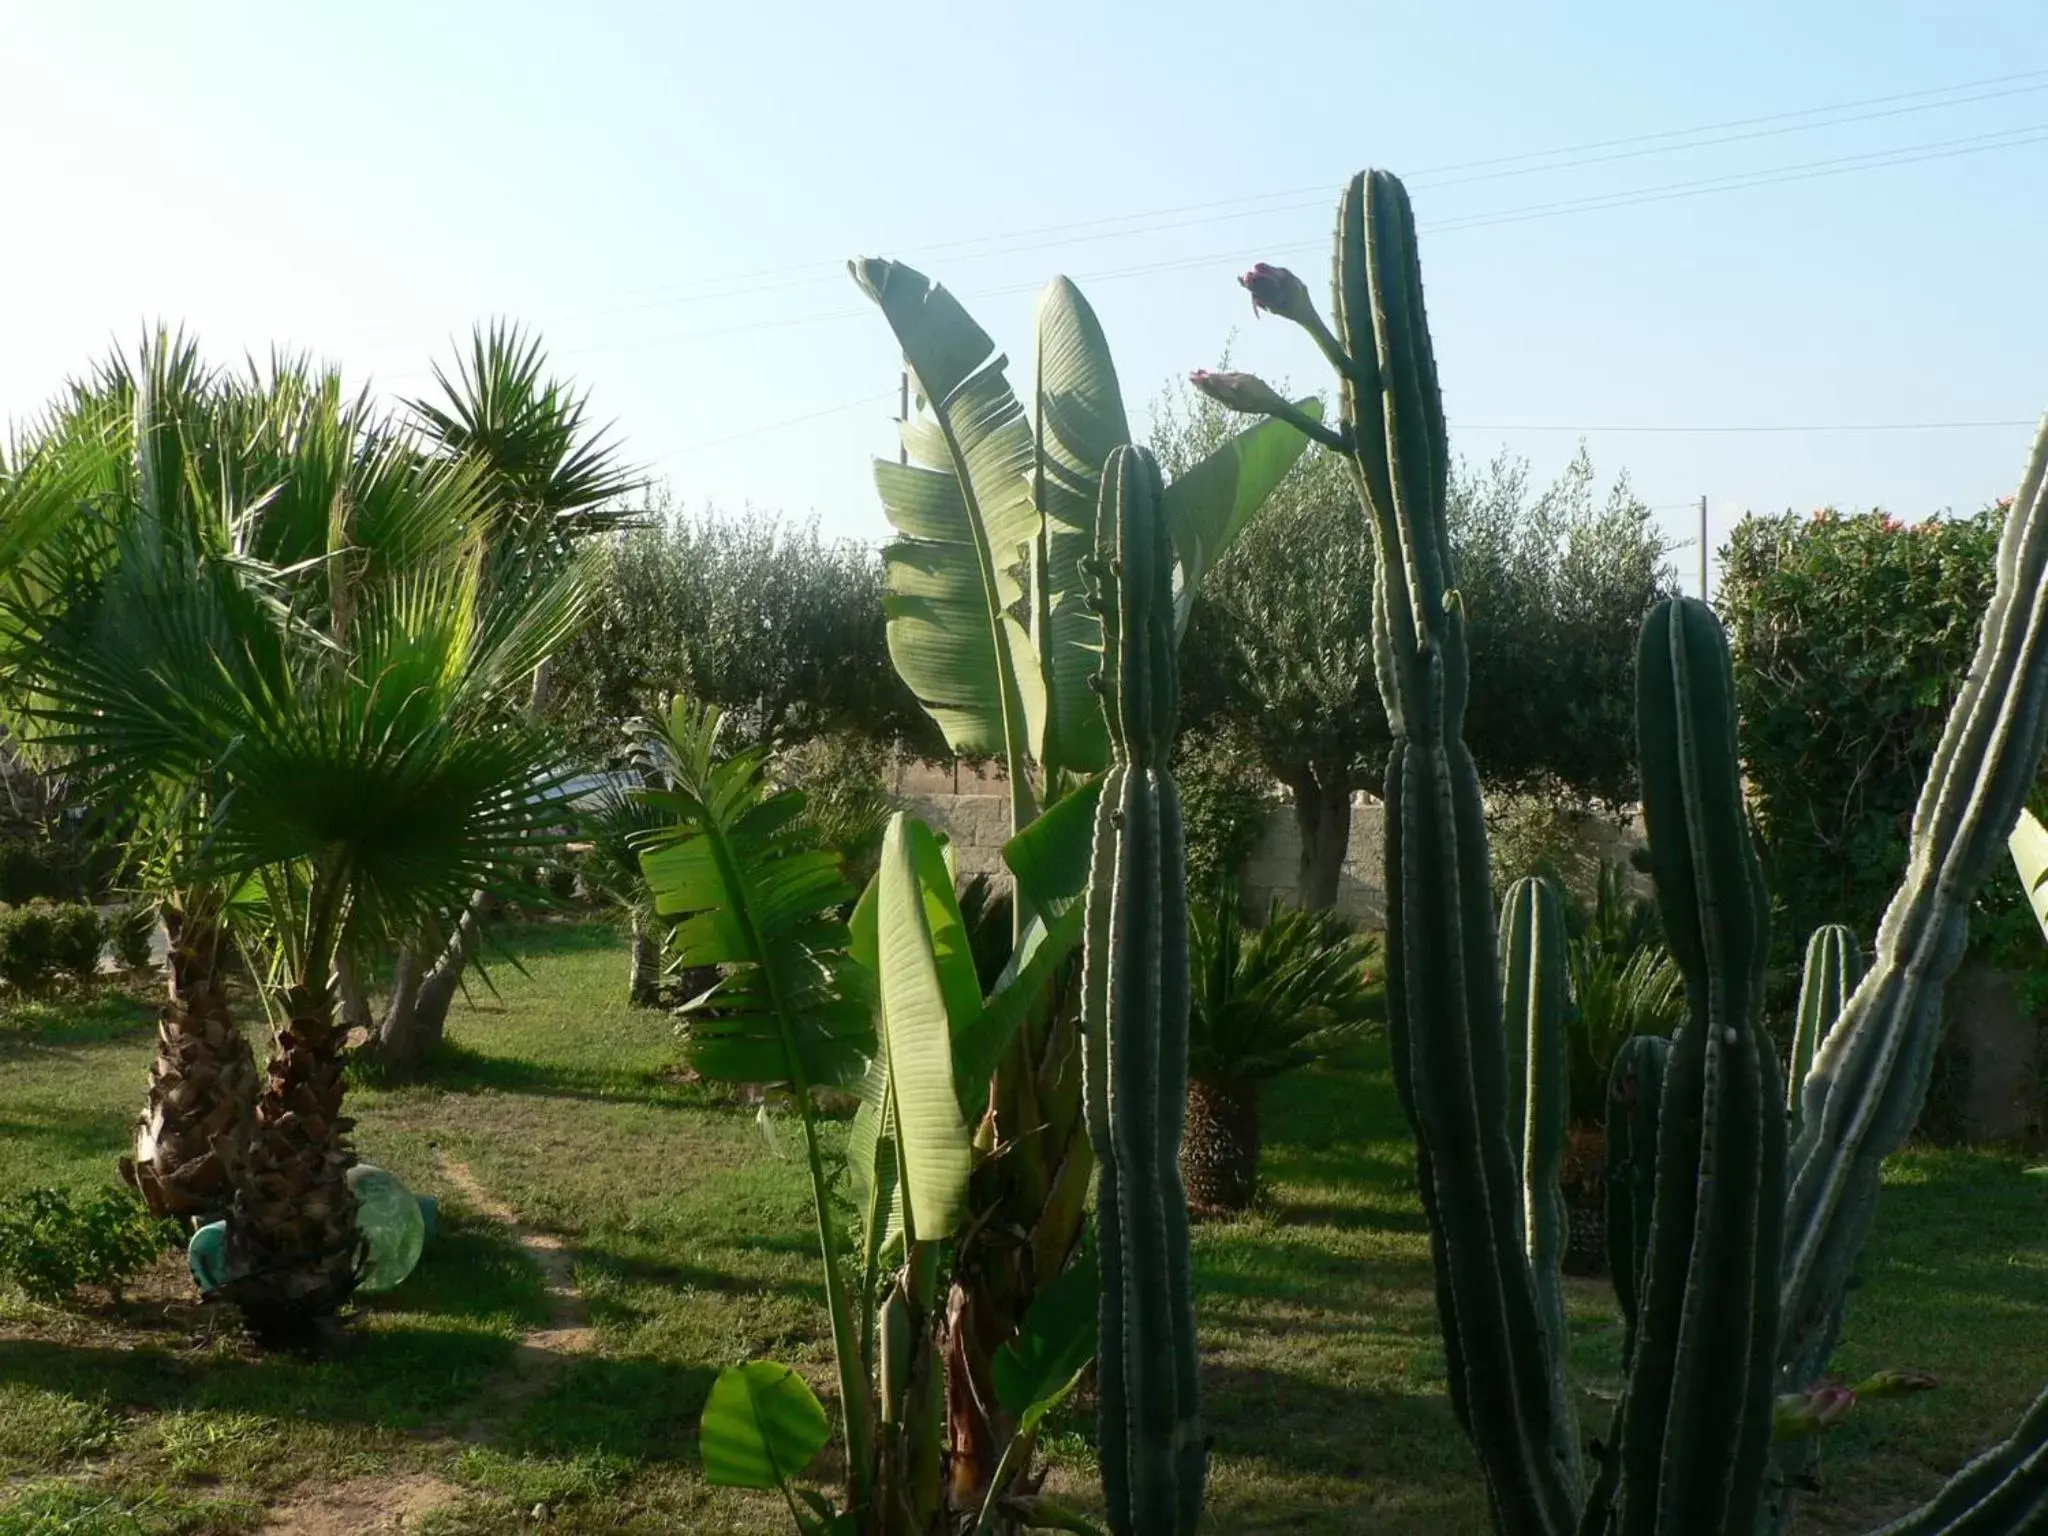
(1497, 163)
(773, 426)
(1739, 181)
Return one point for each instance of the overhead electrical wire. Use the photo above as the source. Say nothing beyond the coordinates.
(2012, 138)
(1529, 162)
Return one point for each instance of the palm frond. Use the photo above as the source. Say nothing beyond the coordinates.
(1279, 997)
(751, 889)
(547, 470)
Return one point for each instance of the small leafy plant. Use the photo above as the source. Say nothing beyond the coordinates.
(51, 1245)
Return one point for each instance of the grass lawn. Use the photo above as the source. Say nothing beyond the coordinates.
(687, 1237)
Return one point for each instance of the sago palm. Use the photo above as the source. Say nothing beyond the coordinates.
(1263, 1003)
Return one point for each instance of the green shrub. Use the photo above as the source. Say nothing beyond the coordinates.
(50, 1246)
(1851, 636)
(1226, 796)
(76, 938)
(28, 940)
(130, 932)
(1267, 1000)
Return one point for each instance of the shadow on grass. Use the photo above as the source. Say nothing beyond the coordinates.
(633, 1406)
(76, 1133)
(459, 1068)
(1303, 1425)
(107, 1011)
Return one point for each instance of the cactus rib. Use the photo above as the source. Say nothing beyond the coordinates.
(1135, 1017)
(1535, 1003)
(1697, 1433)
(1833, 967)
(1443, 990)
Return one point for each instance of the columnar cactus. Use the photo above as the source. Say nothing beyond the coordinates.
(1536, 999)
(1833, 967)
(1732, 1272)
(1135, 1019)
(1697, 1429)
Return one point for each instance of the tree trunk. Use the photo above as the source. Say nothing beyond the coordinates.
(355, 998)
(644, 990)
(416, 1020)
(293, 1242)
(1322, 815)
(1219, 1154)
(202, 1086)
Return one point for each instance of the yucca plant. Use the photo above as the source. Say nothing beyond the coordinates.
(549, 482)
(1264, 1002)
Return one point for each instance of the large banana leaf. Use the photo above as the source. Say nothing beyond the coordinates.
(924, 1114)
(1080, 421)
(1212, 503)
(967, 525)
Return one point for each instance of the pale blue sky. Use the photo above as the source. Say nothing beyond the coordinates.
(667, 193)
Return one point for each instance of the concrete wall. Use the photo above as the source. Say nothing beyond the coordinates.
(975, 817)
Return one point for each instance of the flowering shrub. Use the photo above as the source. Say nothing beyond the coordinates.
(1851, 636)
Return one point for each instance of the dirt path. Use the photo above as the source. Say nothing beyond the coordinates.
(364, 1506)
(380, 1506)
(544, 1352)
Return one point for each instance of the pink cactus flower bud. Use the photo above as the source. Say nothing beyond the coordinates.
(1809, 1412)
(1279, 291)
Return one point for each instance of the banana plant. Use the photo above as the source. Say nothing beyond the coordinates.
(887, 1000)
(991, 624)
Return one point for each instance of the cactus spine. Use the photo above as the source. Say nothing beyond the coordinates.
(1833, 967)
(1697, 1430)
(1536, 1000)
(1135, 1019)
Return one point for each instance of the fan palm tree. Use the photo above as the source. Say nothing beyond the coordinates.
(346, 720)
(550, 482)
(144, 435)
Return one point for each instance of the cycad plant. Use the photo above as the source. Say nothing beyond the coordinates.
(1738, 1242)
(1265, 1001)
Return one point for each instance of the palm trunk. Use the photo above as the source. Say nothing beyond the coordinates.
(1219, 1155)
(1322, 815)
(644, 989)
(355, 997)
(416, 1019)
(293, 1244)
(202, 1086)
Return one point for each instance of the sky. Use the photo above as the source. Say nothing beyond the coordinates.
(1633, 219)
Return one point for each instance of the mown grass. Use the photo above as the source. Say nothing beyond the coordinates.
(692, 1244)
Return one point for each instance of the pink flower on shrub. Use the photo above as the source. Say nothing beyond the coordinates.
(1890, 524)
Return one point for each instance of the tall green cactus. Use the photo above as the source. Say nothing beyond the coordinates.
(1135, 1018)
(1833, 967)
(1734, 1271)
(1536, 1001)
(1697, 1433)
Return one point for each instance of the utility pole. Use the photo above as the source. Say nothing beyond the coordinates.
(1703, 549)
